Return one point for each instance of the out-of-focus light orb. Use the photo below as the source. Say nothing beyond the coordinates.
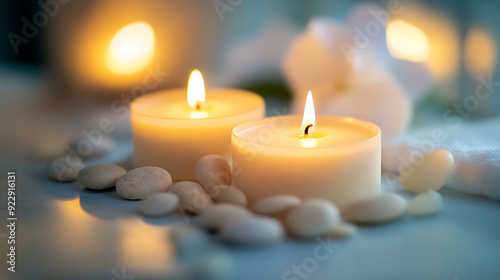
(480, 52)
(435, 35)
(131, 49)
(406, 41)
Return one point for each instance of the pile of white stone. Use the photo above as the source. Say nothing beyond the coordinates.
(222, 208)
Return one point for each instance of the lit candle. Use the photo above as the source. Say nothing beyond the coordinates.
(173, 133)
(337, 158)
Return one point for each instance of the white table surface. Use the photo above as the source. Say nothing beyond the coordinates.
(66, 232)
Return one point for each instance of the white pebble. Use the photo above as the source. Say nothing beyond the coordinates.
(216, 216)
(88, 148)
(312, 218)
(230, 194)
(343, 230)
(185, 185)
(429, 172)
(253, 231)
(142, 181)
(212, 171)
(195, 201)
(100, 176)
(159, 204)
(378, 209)
(192, 196)
(425, 204)
(64, 169)
(275, 204)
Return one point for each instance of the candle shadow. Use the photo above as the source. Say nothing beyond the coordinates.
(178, 216)
(59, 190)
(161, 221)
(107, 204)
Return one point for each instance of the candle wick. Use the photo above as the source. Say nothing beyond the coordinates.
(198, 105)
(306, 131)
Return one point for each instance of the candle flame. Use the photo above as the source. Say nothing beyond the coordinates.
(196, 90)
(309, 118)
(131, 49)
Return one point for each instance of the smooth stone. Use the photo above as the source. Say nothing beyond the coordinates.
(425, 204)
(228, 194)
(64, 169)
(314, 217)
(378, 209)
(253, 231)
(343, 230)
(98, 147)
(185, 185)
(216, 216)
(140, 182)
(193, 197)
(275, 204)
(158, 204)
(195, 201)
(429, 172)
(189, 240)
(212, 171)
(100, 176)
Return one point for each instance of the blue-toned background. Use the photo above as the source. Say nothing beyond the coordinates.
(54, 82)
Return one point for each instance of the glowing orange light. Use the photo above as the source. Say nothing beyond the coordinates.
(480, 52)
(131, 49)
(406, 41)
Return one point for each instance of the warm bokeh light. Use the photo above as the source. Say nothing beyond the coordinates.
(144, 248)
(309, 115)
(480, 52)
(443, 43)
(70, 212)
(196, 90)
(406, 41)
(131, 49)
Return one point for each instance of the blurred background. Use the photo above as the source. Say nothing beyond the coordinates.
(65, 65)
(68, 43)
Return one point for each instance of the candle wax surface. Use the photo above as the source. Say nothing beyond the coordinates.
(288, 135)
(340, 160)
(168, 133)
(174, 105)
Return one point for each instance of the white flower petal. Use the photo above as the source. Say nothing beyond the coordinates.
(376, 97)
(415, 78)
(367, 25)
(314, 60)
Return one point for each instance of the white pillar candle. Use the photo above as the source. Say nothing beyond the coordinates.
(340, 160)
(172, 130)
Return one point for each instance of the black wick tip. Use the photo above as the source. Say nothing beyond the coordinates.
(306, 131)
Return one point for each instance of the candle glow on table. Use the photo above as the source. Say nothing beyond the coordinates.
(172, 129)
(340, 160)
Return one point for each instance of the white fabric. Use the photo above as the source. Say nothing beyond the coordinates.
(475, 148)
